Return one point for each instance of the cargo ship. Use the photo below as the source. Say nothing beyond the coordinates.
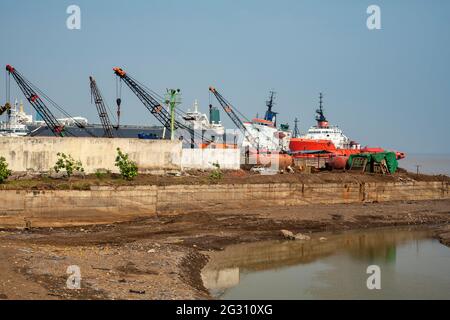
(20, 124)
(327, 140)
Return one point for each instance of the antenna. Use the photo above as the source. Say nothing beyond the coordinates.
(270, 115)
(296, 131)
(320, 116)
(271, 102)
(321, 101)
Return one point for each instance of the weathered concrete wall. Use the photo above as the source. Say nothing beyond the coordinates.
(108, 204)
(205, 158)
(40, 153)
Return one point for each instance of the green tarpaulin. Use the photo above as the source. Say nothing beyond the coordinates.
(390, 157)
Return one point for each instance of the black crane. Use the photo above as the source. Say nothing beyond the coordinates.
(37, 103)
(150, 102)
(34, 97)
(5, 108)
(229, 109)
(155, 107)
(101, 108)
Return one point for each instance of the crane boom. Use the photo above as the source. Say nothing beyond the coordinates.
(37, 103)
(228, 108)
(101, 109)
(154, 106)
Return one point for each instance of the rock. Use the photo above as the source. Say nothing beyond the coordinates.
(301, 236)
(291, 236)
(151, 251)
(137, 291)
(174, 173)
(79, 174)
(322, 239)
(288, 234)
(57, 175)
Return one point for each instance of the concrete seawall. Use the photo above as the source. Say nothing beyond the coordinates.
(40, 153)
(109, 204)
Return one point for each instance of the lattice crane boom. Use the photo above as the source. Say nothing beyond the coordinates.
(228, 108)
(151, 103)
(101, 108)
(155, 107)
(38, 104)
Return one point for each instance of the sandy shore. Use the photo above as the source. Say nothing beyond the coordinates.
(161, 257)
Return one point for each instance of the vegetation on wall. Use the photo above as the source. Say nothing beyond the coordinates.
(4, 171)
(68, 164)
(128, 168)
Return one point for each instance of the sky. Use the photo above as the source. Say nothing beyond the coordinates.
(387, 87)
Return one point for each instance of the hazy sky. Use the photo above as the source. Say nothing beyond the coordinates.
(387, 87)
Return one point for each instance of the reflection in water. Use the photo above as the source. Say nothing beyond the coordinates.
(412, 264)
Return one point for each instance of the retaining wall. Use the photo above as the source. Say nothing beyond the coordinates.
(108, 204)
(228, 159)
(40, 153)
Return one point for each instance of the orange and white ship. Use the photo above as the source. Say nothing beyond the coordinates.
(325, 140)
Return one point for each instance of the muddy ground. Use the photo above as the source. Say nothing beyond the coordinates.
(161, 257)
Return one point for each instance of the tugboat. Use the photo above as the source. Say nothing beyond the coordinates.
(327, 140)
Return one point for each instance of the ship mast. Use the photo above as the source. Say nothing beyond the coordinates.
(270, 115)
(296, 130)
(320, 118)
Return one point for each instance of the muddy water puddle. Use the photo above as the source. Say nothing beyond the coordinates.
(412, 265)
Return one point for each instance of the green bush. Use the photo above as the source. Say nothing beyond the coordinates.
(216, 173)
(4, 171)
(128, 169)
(67, 163)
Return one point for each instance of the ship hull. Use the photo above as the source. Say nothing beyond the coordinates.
(97, 130)
(301, 147)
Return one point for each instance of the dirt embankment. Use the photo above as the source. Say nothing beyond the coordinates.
(24, 182)
(161, 257)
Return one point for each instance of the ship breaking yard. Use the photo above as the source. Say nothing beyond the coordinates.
(187, 209)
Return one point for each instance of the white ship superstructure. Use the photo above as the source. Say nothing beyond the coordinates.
(267, 136)
(323, 131)
(265, 131)
(210, 128)
(16, 125)
(332, 133)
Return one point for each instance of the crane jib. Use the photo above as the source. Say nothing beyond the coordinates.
(153, 105)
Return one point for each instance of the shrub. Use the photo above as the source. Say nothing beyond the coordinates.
(4, 171)
(216, 173)
(128, 169)
(67, 163)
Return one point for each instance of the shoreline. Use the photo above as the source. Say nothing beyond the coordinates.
(162, 257)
